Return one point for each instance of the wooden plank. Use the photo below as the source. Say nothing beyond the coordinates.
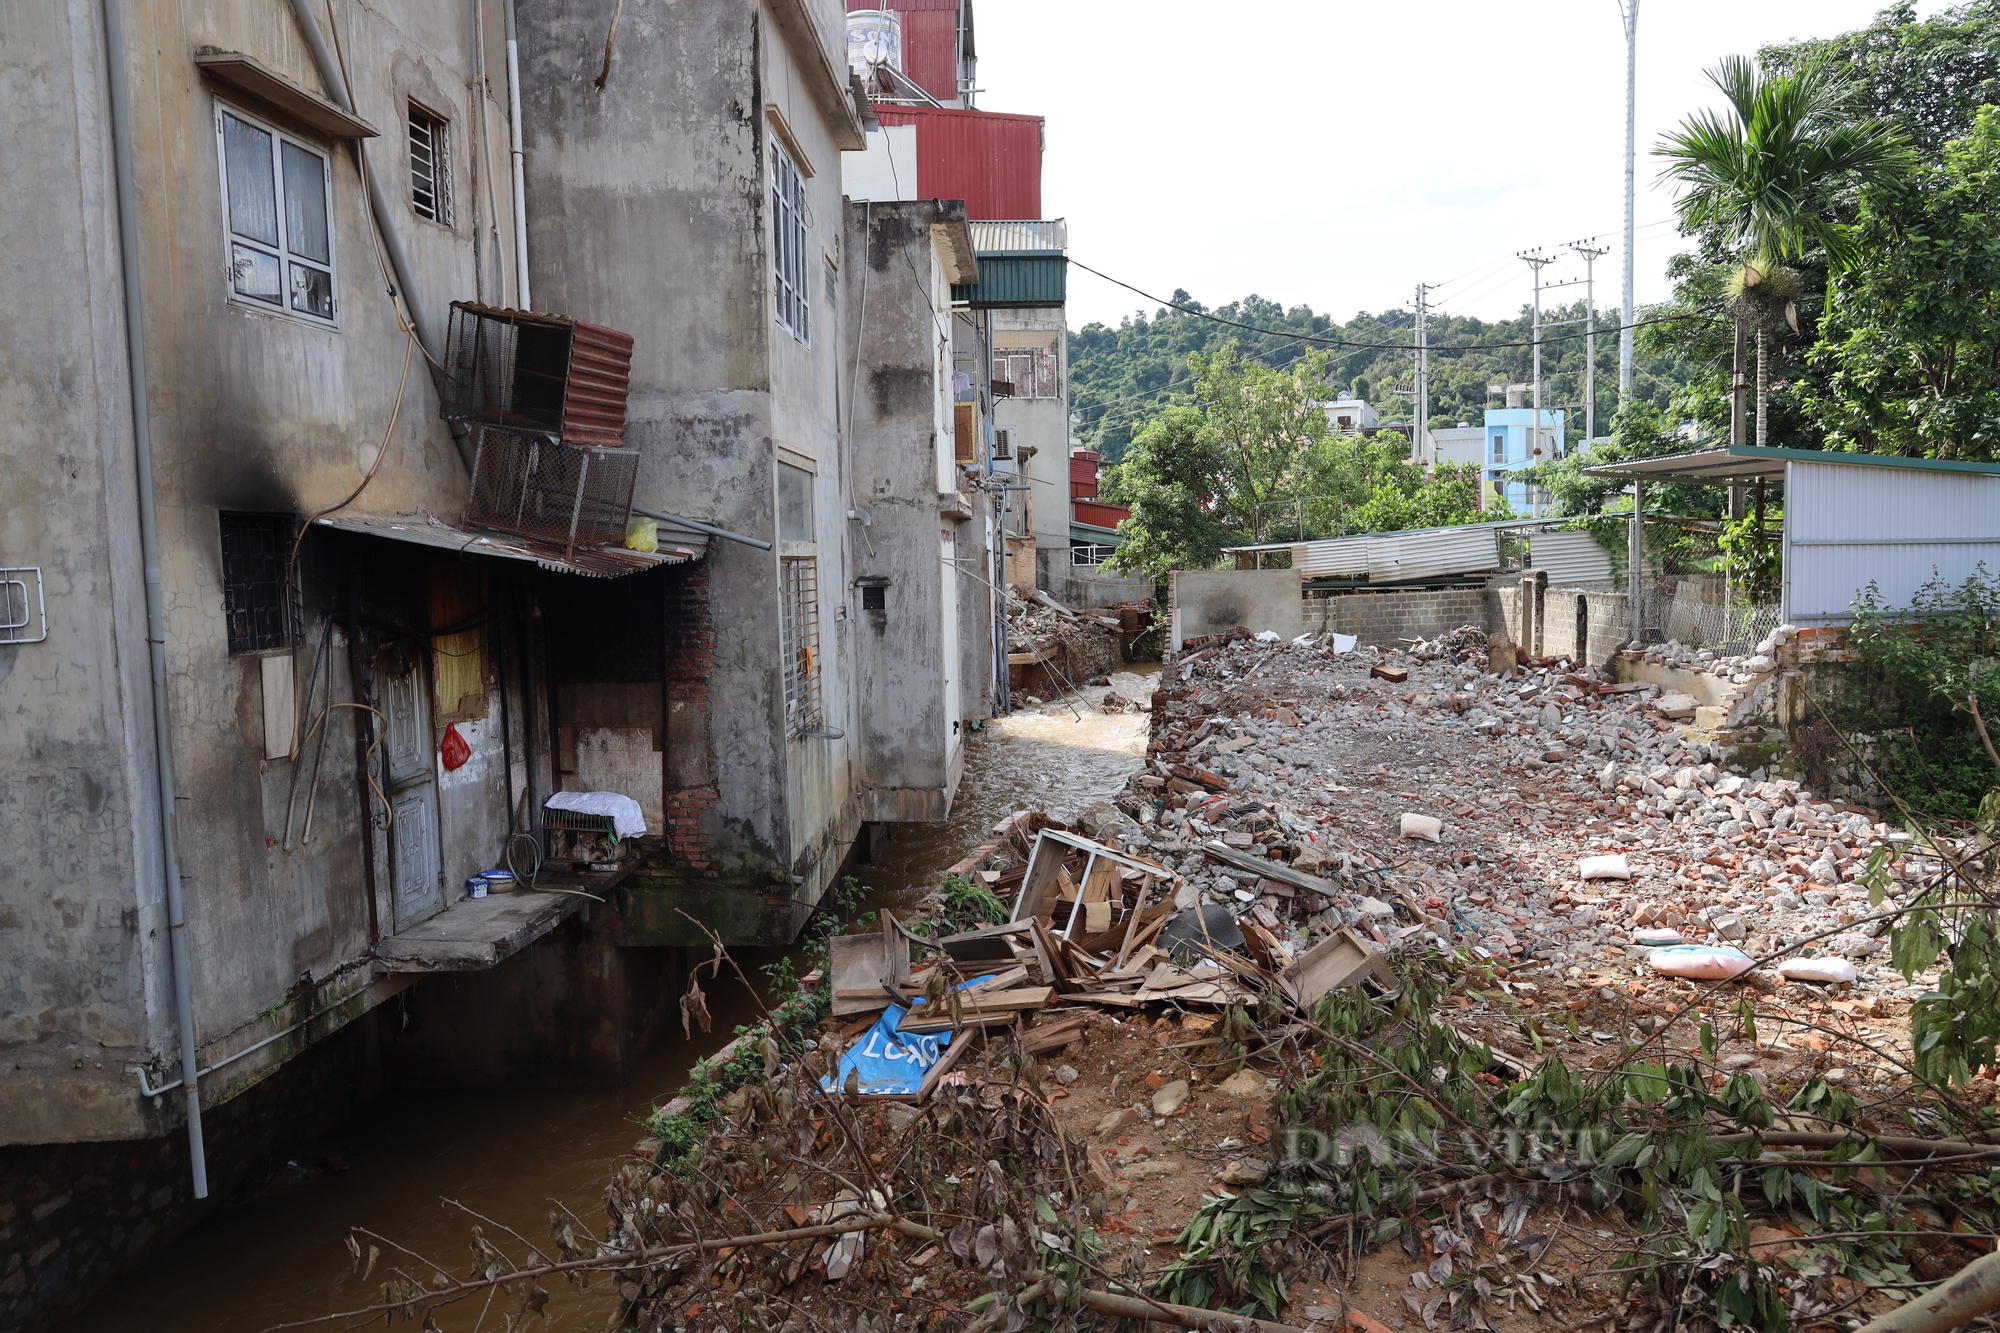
(1264, 866)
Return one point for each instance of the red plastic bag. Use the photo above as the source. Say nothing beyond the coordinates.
(454, 751)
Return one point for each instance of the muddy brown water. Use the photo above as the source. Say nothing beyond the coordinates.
(279, 1256)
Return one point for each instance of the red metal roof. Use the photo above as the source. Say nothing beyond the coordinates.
(990, 159)
(905, 6)
(1098, 514)
(930, 50)
(1083, 476)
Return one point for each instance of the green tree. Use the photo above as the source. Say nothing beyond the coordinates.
(1247, 456)
(1756, 179)
(1910, 348)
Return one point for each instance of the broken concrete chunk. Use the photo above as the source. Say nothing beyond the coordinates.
(1117, 1120)
(1675, 706)
(1244, 1173)
(1729, 927)
(1422, 826)
(1243, 1083)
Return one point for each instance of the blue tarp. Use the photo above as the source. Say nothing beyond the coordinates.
(888, 1061)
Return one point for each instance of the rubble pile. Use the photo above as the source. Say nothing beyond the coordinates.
(1366, 1005)
(1052, 650)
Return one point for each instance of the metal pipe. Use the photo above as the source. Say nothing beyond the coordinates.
(1629, 12)
(692, 525)
(119, 87)
(514, 138)
(1636, 555)
(385, 222)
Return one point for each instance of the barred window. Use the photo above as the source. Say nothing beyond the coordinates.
(253, 580)
(800, 629)
(790, 220)
(430, 168)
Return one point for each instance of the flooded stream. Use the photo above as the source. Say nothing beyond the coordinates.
(280, 1256)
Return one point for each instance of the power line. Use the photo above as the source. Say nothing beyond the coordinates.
(1348, 342)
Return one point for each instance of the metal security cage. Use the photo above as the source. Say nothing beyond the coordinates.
(565, 494)
(548, 374)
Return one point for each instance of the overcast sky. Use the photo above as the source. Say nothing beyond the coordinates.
(1338, 153)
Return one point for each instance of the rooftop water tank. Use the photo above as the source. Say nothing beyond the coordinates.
(874, 39)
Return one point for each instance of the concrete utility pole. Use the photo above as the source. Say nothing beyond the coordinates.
(1421, 445)
(1590, 257)
(1629, 11)
(1536, 260)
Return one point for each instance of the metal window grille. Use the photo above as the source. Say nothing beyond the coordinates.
(430, 179)
(789, 224)
(1091, 556)
(799, 625)
(569, 494)
(1029, 371)
(276, 200)
(253, 581)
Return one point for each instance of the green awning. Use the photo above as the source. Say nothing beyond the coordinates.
(1016, 280)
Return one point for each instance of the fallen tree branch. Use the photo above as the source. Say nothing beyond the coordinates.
(625, 1259)
(1974, 1291)
(1807, 1138)
(1162, 1312)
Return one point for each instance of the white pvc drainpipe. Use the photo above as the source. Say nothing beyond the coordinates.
(520, 187)
(149, 552)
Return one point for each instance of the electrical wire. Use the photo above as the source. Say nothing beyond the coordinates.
(388, 814)
(1381, 347)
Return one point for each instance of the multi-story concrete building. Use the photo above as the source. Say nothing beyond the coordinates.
(293, 678)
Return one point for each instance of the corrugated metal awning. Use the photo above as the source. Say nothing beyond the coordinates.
(677, 545)
(1030, 235)
(1749, 462)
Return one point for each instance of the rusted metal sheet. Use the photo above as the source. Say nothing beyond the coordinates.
(676, 546)
(526, 370)
(991, 160)
(600, 380)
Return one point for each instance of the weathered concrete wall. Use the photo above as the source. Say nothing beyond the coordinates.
(1216, 601)
(251, 409)
(1040, 424)
(1082, 586)
(658, 189)
(907, 664)
(1390, 618)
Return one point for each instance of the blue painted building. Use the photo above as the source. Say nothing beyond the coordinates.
(1509, 448)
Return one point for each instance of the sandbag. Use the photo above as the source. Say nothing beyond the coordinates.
(1703, 962)
(1614, 866)
(1423, 826)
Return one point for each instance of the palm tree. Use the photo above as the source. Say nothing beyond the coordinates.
(1755, 174)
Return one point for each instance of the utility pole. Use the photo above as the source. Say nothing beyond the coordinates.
(1629, 11)
(1590, 257)
(1535, 259)
(1420, 446)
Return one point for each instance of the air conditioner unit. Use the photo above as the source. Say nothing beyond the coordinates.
(1003, 444)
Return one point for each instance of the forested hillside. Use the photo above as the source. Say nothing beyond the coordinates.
(1121, 376)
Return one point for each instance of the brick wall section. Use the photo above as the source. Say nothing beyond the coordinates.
(1388, 618)
(1607, 627)
(690, 790)
(75, 1216)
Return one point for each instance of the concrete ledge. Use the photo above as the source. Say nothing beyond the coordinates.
(477, 933)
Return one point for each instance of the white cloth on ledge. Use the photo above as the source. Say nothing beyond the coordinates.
(627, 819)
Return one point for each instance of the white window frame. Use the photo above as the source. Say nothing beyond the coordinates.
(791, 224)
(287, 260)
(438, 128)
